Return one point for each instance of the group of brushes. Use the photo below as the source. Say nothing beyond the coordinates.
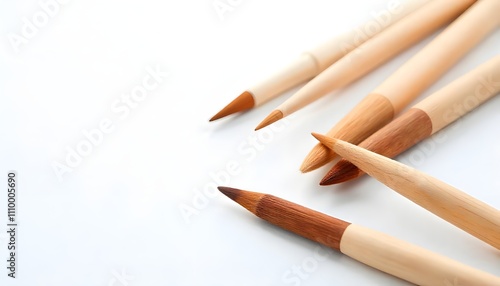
(378, 136)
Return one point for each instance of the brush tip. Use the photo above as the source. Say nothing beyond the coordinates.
(343, 171)
(243, 102)
(323, 139)
(231, 193)
(270, 119)
(319, 156)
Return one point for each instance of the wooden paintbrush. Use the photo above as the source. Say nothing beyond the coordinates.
(409, 81)
(464, 211)
(313, 62)
(426, 118)
(378, 250)
(373, 53)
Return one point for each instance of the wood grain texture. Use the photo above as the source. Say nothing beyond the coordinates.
(407, 261)
(391, 140)
(371, 114)
(462, 210)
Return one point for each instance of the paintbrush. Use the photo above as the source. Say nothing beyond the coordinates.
(373, 248)
(460, 209)
(373, 53)
(410, 80)
(314, 61)
(426, 118)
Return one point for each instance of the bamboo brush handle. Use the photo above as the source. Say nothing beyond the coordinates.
(454, 206)
(408, 261)
(296, 72)
(334, 49)
(377, 50)
(316, 60)
(443, 52)
(445, 201)
(462, 95)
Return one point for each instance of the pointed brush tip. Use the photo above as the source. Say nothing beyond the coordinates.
(231, 193)
(305, 167)
(323, 183)
(316, 135)
(343, 171)
(317, 157)
(323, 139)
(270, 119)
(243, 102)
(220, 114)
(308, 166)
(332, 180)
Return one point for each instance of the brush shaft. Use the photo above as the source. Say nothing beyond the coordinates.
(463, 95)
(298, 71)
(334, 49)
(408, 261)
(303, 221)
(376, 51)
(441, 54)
(464, 211)
(316, 60)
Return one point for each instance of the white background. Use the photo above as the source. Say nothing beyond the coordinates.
(115, 219)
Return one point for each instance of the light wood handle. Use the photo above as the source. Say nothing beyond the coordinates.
(319, 58)
(334, 49)
(298, 71)
(462, 95)
(464, 211)
(423, 69)
(377, 50)
(408, 261)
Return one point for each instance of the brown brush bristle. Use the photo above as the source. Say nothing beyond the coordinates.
(343, 171)
(303, 221)
(243, 102)
(393, 139)
(231, 193)
(405, 131)
(270, 119)
(248, 200)
(367, 117)
(308, 223)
